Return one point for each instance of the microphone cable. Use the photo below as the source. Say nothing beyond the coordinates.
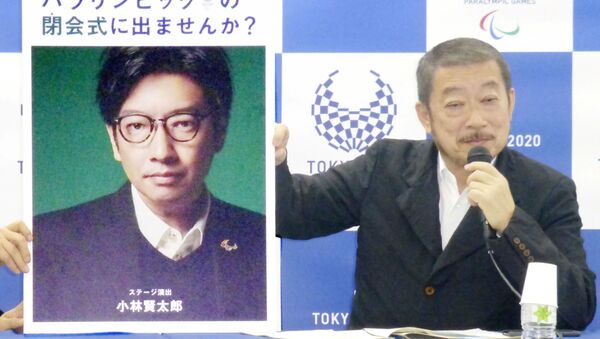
(490, 251)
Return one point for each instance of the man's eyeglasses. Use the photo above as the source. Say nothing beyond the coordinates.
(137, 128)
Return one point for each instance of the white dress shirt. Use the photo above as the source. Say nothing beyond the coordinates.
(166, 239)
(453, 206)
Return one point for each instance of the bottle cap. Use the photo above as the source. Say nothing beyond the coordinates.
(540, 284)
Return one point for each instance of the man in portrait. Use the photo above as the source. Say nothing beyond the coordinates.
(162, 246)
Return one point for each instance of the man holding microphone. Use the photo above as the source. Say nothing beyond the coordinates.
(421, 256)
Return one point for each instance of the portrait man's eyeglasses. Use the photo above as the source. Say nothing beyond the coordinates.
(137, 128)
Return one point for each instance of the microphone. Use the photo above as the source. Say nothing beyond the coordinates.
(480, 153)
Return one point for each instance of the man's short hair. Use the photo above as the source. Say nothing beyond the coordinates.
(457, 52)
(124, 67)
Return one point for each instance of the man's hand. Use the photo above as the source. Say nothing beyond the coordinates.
(14, 252)
(489, 190)
(280, 139)
(13, 319)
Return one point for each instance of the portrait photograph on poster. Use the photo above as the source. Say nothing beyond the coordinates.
(149, 186)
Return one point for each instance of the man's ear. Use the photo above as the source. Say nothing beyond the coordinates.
(115, 147)
(424, 116)
(219, 141)
(511, 102)
(219, 132)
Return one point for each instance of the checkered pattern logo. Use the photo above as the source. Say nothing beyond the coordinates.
(347, 129)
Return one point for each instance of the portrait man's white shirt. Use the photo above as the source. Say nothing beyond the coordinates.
(166, 239)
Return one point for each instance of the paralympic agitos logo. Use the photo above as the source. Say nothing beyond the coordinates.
(489, 23)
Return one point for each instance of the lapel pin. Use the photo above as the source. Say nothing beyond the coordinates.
(227, 247)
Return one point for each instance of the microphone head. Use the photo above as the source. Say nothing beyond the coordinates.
(479, 153)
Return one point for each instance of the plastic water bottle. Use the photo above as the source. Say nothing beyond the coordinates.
(538, 321)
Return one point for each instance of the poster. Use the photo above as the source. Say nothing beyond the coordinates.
(142, 116)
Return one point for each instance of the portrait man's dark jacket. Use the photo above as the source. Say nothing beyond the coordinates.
(403, 278)
(92, 263)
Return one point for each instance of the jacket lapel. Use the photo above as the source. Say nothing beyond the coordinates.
(467, 238)
(419, 203)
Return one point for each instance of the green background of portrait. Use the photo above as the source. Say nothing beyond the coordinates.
(72, 156)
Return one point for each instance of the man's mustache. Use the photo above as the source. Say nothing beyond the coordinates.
(477, 136)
